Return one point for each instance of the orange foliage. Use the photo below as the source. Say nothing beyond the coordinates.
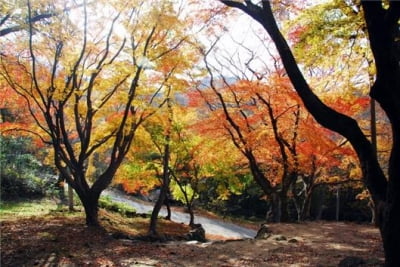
(247, 103)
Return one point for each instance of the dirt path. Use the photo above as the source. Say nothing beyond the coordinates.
(212, 226)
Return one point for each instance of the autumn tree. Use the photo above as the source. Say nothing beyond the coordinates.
(172, 157)
(264, 115)
(347, 61)
(11, 19)
(381, 20)
(165, 152)
(88, 87)
(189, 161)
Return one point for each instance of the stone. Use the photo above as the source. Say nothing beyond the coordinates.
(197, 233)
(351, 261)
(280, 238)
(264, 232)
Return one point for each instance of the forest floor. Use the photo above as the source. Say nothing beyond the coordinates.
(61, 239)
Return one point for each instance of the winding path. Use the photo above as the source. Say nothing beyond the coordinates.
(212, 226)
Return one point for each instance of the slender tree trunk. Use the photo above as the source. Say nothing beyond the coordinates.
(337, 203)
(371, 206)
(189, 204)
(191, 214)
(305, 214)
(299, 203)
(284, 213)
(70, 198)
(373, 126)
(374, 146)
(166, 176)
(161, 197)
(61, 191)
(168, 205)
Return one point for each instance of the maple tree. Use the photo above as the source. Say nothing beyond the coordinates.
(188, 163)
(265, 121)
(89, 88)
(175, 160)
(12, 20)
(188, 166)
(346, 60)
(381, 20)
(166, 179)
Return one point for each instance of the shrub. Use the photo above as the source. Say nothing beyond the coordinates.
(22, 175)
(124, 209)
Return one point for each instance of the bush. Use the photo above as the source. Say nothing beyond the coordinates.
(22, 175)
(124, 209)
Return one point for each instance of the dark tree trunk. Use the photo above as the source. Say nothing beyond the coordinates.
(284, 213)
(70, 198)
(61, 191)
(306, 211)
(274, 213)
(299, 200)
(168, 205)
(191, 214)
(156, 211)
(88, 196)
(90, 203)
(189, 205)
(384, 34)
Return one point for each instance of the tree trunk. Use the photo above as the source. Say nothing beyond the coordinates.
(70, 198)
(61, 191)
(168, 205)
(189, 204)
(191, 214)
(384, 34)
(337, 203)
(391, 234)
(157, 208)
(306, 211)
(371, 206)
(274, 213)
(164, 191)
(166, 175)
(90, 204)
(284, 213)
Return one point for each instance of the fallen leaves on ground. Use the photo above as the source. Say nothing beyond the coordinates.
(57, 240)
